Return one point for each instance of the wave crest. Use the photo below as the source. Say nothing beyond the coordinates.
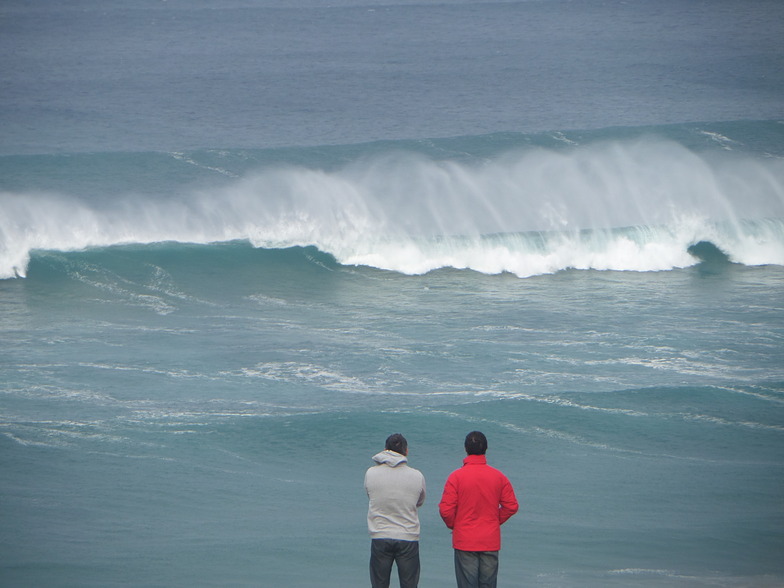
(620, 205)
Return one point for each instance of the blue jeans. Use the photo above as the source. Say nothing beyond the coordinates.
(476, 569)
(385, 552)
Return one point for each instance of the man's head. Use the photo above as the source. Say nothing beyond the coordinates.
(475, 443)
(397, 443)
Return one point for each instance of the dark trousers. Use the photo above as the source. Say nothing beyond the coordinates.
(385, 552)
(476, 569)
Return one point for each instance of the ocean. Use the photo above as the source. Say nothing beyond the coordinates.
(242, 242)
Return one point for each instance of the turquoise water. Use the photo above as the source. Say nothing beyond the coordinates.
(181, 415)
(240, 247)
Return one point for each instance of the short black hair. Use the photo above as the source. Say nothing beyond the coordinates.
(397, 443)
(476, 443)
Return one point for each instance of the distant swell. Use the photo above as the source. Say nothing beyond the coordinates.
(635, 205)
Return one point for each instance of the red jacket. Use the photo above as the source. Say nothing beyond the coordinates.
(477, 500)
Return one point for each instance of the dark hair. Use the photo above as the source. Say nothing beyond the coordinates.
(475, 443)
(397, 443)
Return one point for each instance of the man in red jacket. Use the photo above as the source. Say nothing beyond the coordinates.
(477, 500)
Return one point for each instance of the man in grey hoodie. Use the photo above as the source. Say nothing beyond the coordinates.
(395, 492)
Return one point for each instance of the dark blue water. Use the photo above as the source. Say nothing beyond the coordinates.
(109, 76)
(240, 244)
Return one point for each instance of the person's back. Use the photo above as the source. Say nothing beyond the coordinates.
(474, 515)
(395, 492)
(476, 501)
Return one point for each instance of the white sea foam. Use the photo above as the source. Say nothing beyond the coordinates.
(761, 395)
(730, 423)
(184, 374)
(565, 402)
(190, 161)
(306, 373)
(27, 442)
(615, 206)
(710, 579)
(725, 142)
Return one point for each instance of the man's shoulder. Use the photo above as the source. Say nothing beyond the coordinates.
(477, 470)
(420, 474)
(407, 470)
(379, 467)
(456, 474)
(496, 472)
(495, 469)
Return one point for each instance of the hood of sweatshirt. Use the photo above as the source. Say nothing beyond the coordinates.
(390, 458)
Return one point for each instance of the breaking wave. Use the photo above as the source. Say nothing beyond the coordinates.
(641, 204)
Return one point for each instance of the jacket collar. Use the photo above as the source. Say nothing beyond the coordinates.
(475, 460)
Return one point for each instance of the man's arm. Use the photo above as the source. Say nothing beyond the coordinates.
(422, 493)
(447, 508)
(508, 504)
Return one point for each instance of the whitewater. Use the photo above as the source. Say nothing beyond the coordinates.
(624, 204)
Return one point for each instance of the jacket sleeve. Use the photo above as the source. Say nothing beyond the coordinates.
(422, 494)
(448, 505)
(508, 505)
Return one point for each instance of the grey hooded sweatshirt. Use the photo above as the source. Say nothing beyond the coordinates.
(395, 491)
